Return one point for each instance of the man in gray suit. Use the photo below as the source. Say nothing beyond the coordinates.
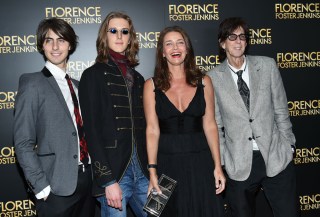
(48, 136)
(255, 131)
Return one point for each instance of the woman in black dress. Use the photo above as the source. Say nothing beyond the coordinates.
(182, 137)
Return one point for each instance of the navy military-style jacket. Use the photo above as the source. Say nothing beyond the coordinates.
(114, 121)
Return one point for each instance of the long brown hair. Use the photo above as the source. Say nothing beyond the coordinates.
(162, 75)
(102, 41)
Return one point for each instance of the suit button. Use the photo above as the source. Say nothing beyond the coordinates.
(250, 138)
(74, 133)
(75, 156)
(250, 120)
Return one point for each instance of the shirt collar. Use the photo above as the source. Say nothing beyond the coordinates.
(57, 72)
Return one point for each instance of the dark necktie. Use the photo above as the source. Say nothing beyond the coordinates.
(243, 89)
(83, 144)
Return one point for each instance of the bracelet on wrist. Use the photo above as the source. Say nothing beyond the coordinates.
(152, 166)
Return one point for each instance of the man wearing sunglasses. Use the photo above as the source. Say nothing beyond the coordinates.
(110, 95)
(255, 132)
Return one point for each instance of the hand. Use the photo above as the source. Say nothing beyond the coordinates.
(114, 196)
(153, 184)
(220, 180)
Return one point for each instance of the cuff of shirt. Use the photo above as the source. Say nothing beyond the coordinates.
(44, 193)
(109, 183)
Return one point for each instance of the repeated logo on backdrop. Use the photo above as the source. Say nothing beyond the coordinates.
(309, 202)
(307, 155)
(298, 59)
(7, 99)
(10, 44)
(297, 10)
(76, 67)
(304, 107)
(17, 208)
(206, 63)
(7, 155)
(193, 12)
(260, 36)
(301, 57)
(148, 39)
(75, 15)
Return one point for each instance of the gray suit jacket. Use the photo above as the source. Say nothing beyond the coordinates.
(268, 120)
(45, 137)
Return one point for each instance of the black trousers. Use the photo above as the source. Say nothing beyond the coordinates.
(279, 190)
(79, 204)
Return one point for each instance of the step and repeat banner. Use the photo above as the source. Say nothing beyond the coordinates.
(286, 30)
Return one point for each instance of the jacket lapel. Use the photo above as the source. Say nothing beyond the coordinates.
(57, 91)
(255, 80)
(229, 85)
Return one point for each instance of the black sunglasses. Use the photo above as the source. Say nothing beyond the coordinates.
(114, 31)
(233, 37)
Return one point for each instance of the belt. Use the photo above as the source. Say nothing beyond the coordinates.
(83, 168)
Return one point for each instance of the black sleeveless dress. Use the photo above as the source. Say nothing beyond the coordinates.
(184, 155)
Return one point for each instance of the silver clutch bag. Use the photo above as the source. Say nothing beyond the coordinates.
(157, 202)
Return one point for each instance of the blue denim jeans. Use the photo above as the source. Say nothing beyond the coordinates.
(134, 186)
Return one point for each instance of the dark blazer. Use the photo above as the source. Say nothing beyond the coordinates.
(45, 137)
(268, 119)
(114, 121)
